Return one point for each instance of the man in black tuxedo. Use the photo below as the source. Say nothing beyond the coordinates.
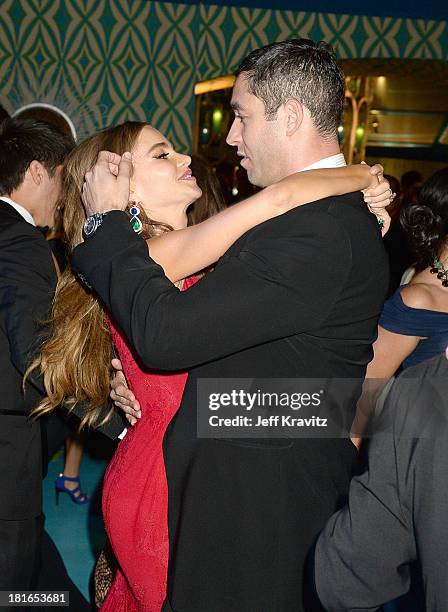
(31, 154)
(296, 297)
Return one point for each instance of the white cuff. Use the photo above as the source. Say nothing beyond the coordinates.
(123, 433)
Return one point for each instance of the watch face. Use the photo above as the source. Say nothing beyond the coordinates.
(90, 226)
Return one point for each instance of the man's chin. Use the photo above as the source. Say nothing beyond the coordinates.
(257, 182)
(253, 178)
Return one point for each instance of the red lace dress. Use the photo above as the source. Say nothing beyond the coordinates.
(135, 494)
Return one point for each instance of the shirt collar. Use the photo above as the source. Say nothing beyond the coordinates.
(334, 161)
(23, 212)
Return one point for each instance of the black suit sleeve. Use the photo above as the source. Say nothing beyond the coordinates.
(27, 286)
(277, 286)
(112, 429)
(363, 556)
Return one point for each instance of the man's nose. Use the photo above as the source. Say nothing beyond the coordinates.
(233, 137)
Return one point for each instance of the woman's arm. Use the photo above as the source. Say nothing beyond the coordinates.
(390, 350)
(184, 252)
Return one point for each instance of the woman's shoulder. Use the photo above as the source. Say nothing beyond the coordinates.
(422, 295)
(413, 310)
(419, 296)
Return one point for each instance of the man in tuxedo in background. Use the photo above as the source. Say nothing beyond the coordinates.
(296, 297)
(31, 157)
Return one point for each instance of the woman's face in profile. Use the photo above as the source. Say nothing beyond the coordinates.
(162, 180)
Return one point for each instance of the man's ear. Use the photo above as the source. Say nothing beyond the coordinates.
(37, 172)
(293, 112)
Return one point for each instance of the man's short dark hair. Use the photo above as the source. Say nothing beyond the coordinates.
(25, 140)
(299, 69)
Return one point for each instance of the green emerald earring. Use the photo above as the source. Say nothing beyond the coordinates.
(135, 220)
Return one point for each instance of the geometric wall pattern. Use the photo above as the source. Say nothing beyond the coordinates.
(104, 61)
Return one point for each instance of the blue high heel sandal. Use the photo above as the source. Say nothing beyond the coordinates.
(78, 497)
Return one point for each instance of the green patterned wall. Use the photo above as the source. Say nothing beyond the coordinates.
(103, 61)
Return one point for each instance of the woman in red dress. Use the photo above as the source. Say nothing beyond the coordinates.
(76, 358)
(135, 495)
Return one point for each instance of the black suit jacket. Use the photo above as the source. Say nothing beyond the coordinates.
(297, 296)
(27, 283)
(398, 508)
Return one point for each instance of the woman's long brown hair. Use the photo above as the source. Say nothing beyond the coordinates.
(75, 360)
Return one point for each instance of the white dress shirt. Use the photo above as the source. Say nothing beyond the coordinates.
(334, 161)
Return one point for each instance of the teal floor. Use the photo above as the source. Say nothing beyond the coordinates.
(77, 530)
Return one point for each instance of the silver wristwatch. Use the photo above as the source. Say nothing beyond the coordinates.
(92, 223)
